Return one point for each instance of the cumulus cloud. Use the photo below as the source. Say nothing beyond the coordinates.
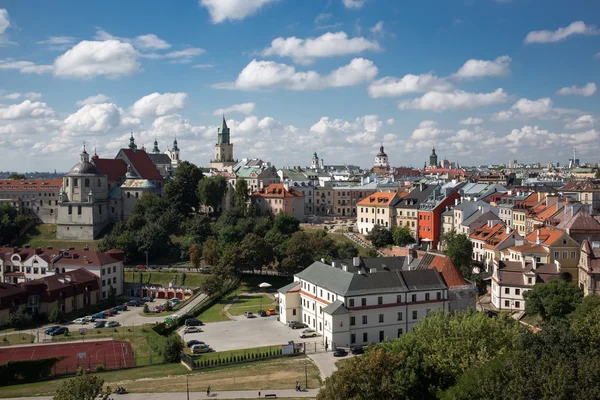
(26, 109)
(587, 90)
(232, 10)
(575, 28)
(58, 43)
(394, 87)
(524, 108)
(4, 20)
(363, 130)
(583, 122)
(270, 75)
(25, 67)
(99, 98)
(157, 104)
(428, 130)
(458, 99)
(88, 59)
(472, 121)
(150, 42)
(16, 96)
(481, 68)
(305, 51)
(354, 4)
(244, 108)
(377, 29)
(92, 119)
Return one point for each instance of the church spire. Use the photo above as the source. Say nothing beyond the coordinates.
(224, 132)
(132, 144)
(155, 150)
(175, 148)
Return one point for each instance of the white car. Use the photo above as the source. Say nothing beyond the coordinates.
(89, 318)
(80, 321)
(308, 333)
(192, 329)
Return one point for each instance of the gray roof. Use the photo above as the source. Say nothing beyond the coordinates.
(333, 279)
(417, 195)
(365, 264)
(423, 279)
(288, 287)
(481, 219)
(336, 308)
(464, 204)
(472, 218)
(159, 158)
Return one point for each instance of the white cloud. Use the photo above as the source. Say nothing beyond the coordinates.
(532, 137)
(481, 68)
(428, 130)
(157, 104)
(244, 108)
(458, 99)
(321, 18)
(377, 29)
(524, 108)
(25, 67)
(150, 42)
(99, 98)
(354, 4)
(16, 96)
(472, 121)
(91, 119)
(304, 51)
(4, 20)
(26, 109)
(363, 130)
(233, 10)
(575, 28)
(583, 122)
(203, 66)
(269, 74)
(58, 43)
(587, 90)
(88, 59)
(390, 122)
(394, 87)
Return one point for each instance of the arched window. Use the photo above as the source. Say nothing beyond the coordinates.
(70, 210)
(128, 195)
(87, 182)
(78, 210)
(99, 183)
(75, 182)
(66, 182)
(137, 195)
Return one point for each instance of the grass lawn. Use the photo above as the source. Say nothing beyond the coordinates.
(340, 238)
(44, 235)
(16, 338)
(251, 303)
(534, 320)
(260, 375)
(233, 353)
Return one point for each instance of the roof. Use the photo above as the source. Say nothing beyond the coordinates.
(415, 197)
(577, 186)
(443, 265)
(336, 308)
(485, 232)
(428, 279)
(367, 264)
(380, 199)
(30, 184)
(547, 236)
(142, 164)
(159, 158)
(479, 218)
(113, 168)
(511, 272)
(277, 190)
(138, 184)
(72, 283)
(529, 248)
(289, 287)
(582, 220)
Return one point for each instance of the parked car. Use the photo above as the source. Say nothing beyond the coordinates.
(153, 310)
(133, 303)
(79, 321)
(262, 313)
(201, 348)
(204, 270)
(114, 310)
(192, 329)
(146, 299)
(100, 315)
(249, 314)
(339, 352)
(308, 333)
(176, 300)
(89, 318)
(108, 313)
(194, 342)
(154, 266)
(60, 331)
(297, 325)
(357, 350)
(271, 311)
(112, 324)
(141, 267)
(121, 307)
(193, 322)
(51, 329)
(99, 324)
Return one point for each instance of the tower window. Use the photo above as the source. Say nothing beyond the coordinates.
(70, 210)
(78, 210)
(99, 183)
(75, 182)
(87, 183)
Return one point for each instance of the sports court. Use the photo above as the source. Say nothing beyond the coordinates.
(112, 354)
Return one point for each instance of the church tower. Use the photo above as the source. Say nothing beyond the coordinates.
(223, 149)
(173, 154)
(155, 150)
(381, 165)
(315, 161)
(132, 144)
(433, 159)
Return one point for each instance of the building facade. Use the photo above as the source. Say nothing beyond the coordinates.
(37, 198)
(376, 209)
(278, 199)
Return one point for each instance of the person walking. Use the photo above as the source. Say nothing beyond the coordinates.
(208, 391)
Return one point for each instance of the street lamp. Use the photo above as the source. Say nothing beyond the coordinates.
(187, 384)
(305, 374)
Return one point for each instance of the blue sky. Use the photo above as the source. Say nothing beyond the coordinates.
(484, 81)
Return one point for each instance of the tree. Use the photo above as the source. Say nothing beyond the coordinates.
(181, 191)
(16, 177)
(19, 319)
(150, 207)
(347, 250)
(460, 250)
(9, 228)
(380, 236)
(254, 252)
(171, 348)
(196, 255)
(211, 191)
(56, 314)
(229, 262)
(402, 235)
(210, 251)
(241, 196)
(597, 174)
(198, 227)
(372, 253)
(554, 299)
(82, 387)
(212, 284)
(111, 296)
(286, 224)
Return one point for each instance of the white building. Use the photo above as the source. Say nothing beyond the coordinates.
(360, 301)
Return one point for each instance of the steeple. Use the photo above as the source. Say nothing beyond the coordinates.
(155, 150)
(132, 144)
(223, 132)
(175, 148)
(433, 158)
(84, 156)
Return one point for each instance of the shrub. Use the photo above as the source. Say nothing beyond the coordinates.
(99, 368)
(19, 320)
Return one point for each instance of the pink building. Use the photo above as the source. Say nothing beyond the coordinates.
(278, 198)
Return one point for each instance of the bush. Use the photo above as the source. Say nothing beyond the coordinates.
(146, 309)
(19, 320)
(99, 368)
(56, 314)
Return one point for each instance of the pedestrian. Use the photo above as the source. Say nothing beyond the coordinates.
(208, 391)
(258, 394)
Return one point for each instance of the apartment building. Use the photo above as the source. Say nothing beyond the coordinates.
(276, 199)
(376, 209)
(589, 268)
(37, 198)
(407, 209)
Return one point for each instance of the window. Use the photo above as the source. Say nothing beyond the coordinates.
(129, 195)
(102, 271)
(426, 296)
(363, 301)
(413, 298)
(364, 319)
(43, 271)
(114, 268)
(28, 270)
(70, 210)
(114, 279)
(313, 305)
(438, 295)
(100, 209)
(399, 332)
(86, 183)
(321, 291)
(103, 283)
(99, 184)
(381, 336)
(75, 182)
(327, 296)
(565, 254)
(556, 255)
(365, 337)
(517, 304)
(414, 315)
(294, 311)
(352, 338)
(506, 303)
(380, 318)
(517, 291)
(506, 290)
(380, 300)
(352, 321)
(351, 302)
(400, 316)
(529, 281)
(573, 254)
(320, 310)
(137, 195)
(78, 210)
(399, 298)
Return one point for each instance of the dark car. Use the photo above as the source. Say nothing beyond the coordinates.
(146, 299)
(193, 343)
(262, 313)
(298, 325)
(134, 303)
(99, 324)
(357, 350)
(114, 310)
(51, 329)
(193, 322)
(121, 307)
(59, 331)
(339, 352)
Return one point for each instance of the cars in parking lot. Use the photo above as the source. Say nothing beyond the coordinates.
(192, 329)
(141, 267)
(99, 324)
(340, 352)
(135, 303)
(271, 311)
(153, 310)
(60, 331)
(192, 343)
(262, 313)
(121, 307)
(114, 311)
(147, 299)
(100, 315)
(79, 321)
(249, 314)
(112, 324)
(357, 350)
(297, 325)
(89, 318)
(193, 322)
(52, 328)
(201, 348)
(308, 333)
(108, 313)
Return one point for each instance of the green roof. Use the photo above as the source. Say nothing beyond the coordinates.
(288, 287)
(336, 308)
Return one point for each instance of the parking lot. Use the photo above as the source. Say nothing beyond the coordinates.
(246, 333)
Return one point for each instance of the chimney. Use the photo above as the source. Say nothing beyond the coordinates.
(533, 262)
(68, 278)
(345, 268)
(507, 229)
(523, 262)
(333, 264)
(538, 240)
(356, 261)
(372, 270)
(455, 202)
(409, 256)
(323, 261)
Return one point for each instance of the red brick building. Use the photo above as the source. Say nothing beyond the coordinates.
(430, 216)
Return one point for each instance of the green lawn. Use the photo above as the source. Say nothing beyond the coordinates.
(251, 303)
(340, 238)
(192, 279)
(16, 338)
(44, 235)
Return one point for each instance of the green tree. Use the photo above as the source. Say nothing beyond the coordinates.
(372, 253)
(460, 250)
(9, 228)
(254, 252)
(19, 319)
(56, 314)
(82, 387)
(171, 348)
(16, 177)
(198, 227)
(347, 250)
(211, 191)
(380, 236)
(262, 225)
(402, 235)
(212, 284)
(150, 207)
(153, 238)
(196, 255)
(241, 195)
(111, 296)
(554, 299)
(597, 174)
(286, 224)
(230, 262)
(229, 235)
(181, 191)
(210, 251)
(278, 242)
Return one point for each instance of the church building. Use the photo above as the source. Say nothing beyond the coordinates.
(223, 160)
(381, 165)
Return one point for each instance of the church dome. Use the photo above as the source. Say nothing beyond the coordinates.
(84, 166)
(381, 152)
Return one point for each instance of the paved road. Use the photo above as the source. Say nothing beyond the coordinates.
(246, 394)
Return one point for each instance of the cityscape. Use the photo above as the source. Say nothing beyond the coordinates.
(361, 199)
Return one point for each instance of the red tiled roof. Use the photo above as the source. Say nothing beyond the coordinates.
(450, 273)
(142, 164)
(379, 199)
(277, 190)
(31, 184)
(94, 258)
(547, 236)
(575, 186)
(113, 168)
(486, 232)
(582, 220)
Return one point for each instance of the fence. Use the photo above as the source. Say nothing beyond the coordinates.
(212, 360)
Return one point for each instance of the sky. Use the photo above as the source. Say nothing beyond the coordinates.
(484, 81)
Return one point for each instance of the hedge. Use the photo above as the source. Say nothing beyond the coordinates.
(27, 370)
